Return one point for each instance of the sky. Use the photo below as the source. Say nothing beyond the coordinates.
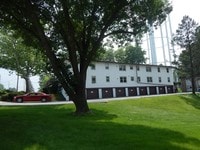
(163, 47)
(180, 8)
(184, 7)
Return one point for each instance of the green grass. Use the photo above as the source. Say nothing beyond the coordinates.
(163, 123)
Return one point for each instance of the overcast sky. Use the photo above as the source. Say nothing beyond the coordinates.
(184, 7)
(180, 8)
(163, 47)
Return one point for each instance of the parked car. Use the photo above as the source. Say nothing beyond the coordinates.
(33, 96)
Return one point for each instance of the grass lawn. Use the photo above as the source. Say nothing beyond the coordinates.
(157, 123)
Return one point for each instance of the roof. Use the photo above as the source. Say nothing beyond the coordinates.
(135, 64)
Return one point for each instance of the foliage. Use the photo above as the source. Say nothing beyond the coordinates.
(44, 78)
(120, 55)
(196, 52)
(184, 68)
(1, 87)
(16, 56)
(2, 92)
(130, 54)
(52, 86)
(185, 38)
(78, 28)
(184, 65)
(185, 34)
(107, 55)
(165, 122)
(134, 55)
(9, 95)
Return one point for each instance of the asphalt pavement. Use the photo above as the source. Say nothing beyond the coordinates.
(89, 101)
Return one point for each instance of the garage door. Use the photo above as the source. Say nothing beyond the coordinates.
(162, 90)
(92, 94)
(143, 90)
(107, 92)
(132, 91)
(152, 90)
(170, 89)
(120, 92)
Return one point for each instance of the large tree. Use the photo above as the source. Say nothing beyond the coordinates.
(120, 55)
(134, 55)
(79, 28)
(185, 38)
(184, 66)
(130, 54)
(17, 57)
(196, 52)
(107, 55)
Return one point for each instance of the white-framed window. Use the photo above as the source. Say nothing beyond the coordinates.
(149, 79)
(168, 79)
(107, 79)
(138, 79)
(123, 80)
(93, 67)
(132, 78)
(93, 79)
(159, 79)
(148, 69)
(167, 69)
(107, 66)
(138, 68)
(131, 67)
(122, 67)
(158, 69)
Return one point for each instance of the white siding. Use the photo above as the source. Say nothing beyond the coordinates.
(114, 73)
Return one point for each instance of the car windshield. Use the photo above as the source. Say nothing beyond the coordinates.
(34, 94)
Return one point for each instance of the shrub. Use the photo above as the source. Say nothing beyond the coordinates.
(10, 95)
(2, 92)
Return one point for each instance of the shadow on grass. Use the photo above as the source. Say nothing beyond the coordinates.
(47, 128)
(193, 100)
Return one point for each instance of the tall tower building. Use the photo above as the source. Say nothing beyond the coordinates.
(159, 48)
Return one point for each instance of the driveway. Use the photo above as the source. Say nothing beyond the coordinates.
(89, 101)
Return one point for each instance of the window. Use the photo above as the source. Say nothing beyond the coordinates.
(168, 79)
(131, 67)
(149, 79)
(148, 69)
(107, 66)
(122, 67)
(158, 69)
(159, 79)
(93, 79)
(123, 80)
(93, 67)
(167, 69)
(107, 79)
(138, 79)
(138, 68)
(132, 78)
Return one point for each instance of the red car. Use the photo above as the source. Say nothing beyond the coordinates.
(34, 96)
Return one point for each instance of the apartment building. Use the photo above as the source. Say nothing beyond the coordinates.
(111, 79)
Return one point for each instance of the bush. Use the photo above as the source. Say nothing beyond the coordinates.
(10, 95)
(2, 92)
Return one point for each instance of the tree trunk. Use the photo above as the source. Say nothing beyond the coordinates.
(29, 87)
(79, 99)
(192, 70)
(75, 90)
(81, 105)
